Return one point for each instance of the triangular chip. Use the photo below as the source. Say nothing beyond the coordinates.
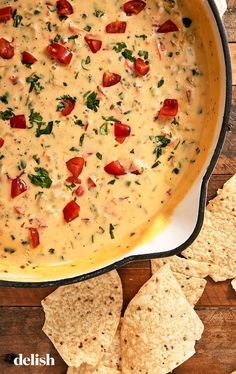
(81, 319)
(216, 243)
(193, 286)
(111, 359)
(159, 328)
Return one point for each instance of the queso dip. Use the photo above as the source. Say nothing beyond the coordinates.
(103, 108)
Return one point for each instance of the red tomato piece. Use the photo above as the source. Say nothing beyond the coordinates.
(27, 58)
(91, 183)
(64, 8)
(60, 53)
(94, 44)
(5, 14)
(80, 191)
(121, 132)
(71, 211)
(120, 140)
(115, 168)
(34, 237)
(117, 27)
(133, 7)
(1, 142)
(18, 186)
(141, 67)
(73, 180)
(170, 108)
(18, 122)
(110, 79)
(75, 166)
(6, 49)
(69, 106)
(168, 26)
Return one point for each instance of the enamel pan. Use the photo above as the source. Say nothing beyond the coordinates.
(188, 216)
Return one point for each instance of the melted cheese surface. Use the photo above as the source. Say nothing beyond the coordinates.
(168, 152)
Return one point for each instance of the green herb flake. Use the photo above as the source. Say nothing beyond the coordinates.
(17, 18)
(81, 139)
(4, 98)
(99, 155)
(87, 28)
(143, 36)
(128, 54)
(35, 85)
(36, 159)
(41, 178)
(44, 131)
(160, 83)
(119, 46)
(98, 13)
(104, 129)
(143, 54)
(7, 114)
(92, 102)
(21, 165)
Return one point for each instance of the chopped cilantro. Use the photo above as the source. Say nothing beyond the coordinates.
(56, 39)
(73, 37)
(143, 54)
(4, 98)
(127, 53)
(104, 129)
(119, 46)
(92, 102)
(85, 62)
(143, 36)
(98, 13)
(111, 231)
(16, 19)
(45, 131)
(99, 155)
(81, 139)
(41, 178)
(35, 85)
(160, 83)
(7, 114)
(87, 28)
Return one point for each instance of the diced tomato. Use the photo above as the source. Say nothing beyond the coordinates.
(94, 44)
(115, 168)
(1, 142)
(170, 108)
(120, 140)
(71, 211)
(18, 122)
(64, 8)
(133, 7)
(168, 26)
(27, 58)
(73, 180)
(34, 237)
(117, 27)
(121, 132)
(91, 183)
(18, 186)
(60, 53)
(141, 67)
(110, 79)
(69, 106)
(6, 49)
(75, 166)
(5, 14)
(80, 191)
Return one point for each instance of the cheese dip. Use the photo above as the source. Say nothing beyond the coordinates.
(103, 108)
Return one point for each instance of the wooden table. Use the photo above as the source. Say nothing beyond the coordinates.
(21, 317)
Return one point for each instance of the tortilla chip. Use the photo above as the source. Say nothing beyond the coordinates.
(216, 243)
(81, 319)
(234, 284)
(192, 286)
(111, 359)
(159, 328)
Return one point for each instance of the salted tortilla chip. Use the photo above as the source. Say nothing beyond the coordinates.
(192, 286)
(234, 284)
(111, 359)
(159, 328)
(81, 319)
(216, 243)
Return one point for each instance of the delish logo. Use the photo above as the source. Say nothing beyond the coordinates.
(34, 360)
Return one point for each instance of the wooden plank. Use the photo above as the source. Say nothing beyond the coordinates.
(216, 350)
(230, 23)
(20, 332)
(232, 48)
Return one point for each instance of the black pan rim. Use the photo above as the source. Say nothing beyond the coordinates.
(201, 210)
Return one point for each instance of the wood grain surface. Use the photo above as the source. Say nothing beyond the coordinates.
(21, 316)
